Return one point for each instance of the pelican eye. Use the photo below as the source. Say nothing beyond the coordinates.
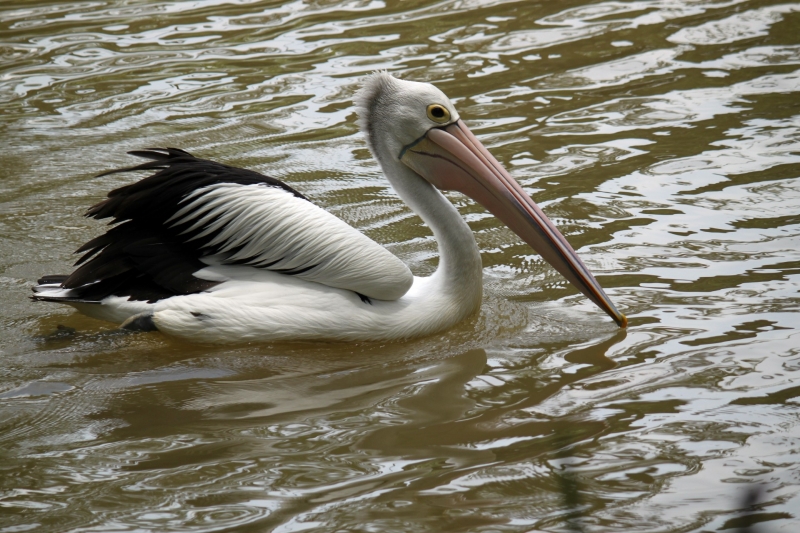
(438, 113)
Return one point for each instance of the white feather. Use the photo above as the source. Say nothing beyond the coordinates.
(260, 305)
(272, 226)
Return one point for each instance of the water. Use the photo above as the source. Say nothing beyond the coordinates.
(662, 137)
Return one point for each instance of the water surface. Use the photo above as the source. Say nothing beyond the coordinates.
(662, 136)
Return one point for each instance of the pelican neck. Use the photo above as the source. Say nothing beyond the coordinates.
(460, 271)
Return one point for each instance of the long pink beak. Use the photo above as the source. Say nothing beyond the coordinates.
(452, 158)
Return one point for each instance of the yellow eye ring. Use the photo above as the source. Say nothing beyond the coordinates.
(438, 113)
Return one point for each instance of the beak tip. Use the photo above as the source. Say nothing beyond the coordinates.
(623, 321)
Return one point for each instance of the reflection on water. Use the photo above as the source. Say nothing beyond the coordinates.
(661, 136)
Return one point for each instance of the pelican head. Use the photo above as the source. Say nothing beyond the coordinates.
(416, 125)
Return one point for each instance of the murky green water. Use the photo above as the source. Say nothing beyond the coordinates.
(663, 137)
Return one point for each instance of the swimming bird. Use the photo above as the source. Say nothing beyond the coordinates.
(214, 253)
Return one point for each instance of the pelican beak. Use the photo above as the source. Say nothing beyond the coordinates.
(452, 158)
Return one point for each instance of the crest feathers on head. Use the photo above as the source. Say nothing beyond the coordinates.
(369, 95)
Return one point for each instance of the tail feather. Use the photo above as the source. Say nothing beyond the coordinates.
(58, 295)
(51, 289)
(53, 279)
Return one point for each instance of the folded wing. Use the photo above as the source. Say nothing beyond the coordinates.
(192, 213)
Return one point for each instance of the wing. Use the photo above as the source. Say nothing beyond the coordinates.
(192, 213)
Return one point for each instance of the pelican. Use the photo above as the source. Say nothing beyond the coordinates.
(213, 253)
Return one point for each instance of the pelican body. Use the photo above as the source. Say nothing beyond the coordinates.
(214, 253)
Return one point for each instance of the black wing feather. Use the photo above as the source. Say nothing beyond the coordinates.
(141, 256)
